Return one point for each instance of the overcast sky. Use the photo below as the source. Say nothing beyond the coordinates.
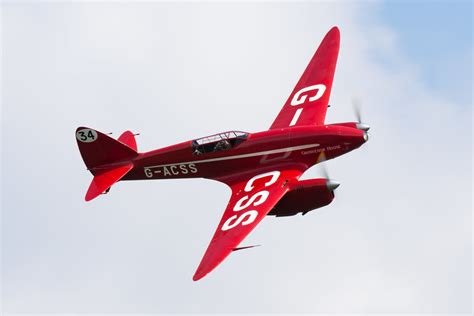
(397, 238)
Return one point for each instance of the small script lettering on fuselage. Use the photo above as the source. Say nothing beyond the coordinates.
(318, 150)
(170, 170)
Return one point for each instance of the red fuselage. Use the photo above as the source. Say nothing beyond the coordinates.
(300, 147)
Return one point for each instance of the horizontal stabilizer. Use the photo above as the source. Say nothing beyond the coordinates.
(128, 138)
(105, 179)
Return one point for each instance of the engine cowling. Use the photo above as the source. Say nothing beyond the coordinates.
(304, 196)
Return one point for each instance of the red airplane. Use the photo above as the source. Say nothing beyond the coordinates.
(262, 169)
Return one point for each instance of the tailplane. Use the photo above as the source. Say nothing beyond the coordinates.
(109, 160)
(104, 180)
(128, 138)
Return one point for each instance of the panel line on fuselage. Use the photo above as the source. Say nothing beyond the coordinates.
(261, 153)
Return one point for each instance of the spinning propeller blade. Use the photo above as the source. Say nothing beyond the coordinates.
(331, 184)
(357, 112)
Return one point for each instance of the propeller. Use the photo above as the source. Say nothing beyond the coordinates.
(356, 106)
(330, 184)
(357, 112)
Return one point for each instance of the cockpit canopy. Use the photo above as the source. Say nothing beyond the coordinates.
(218, 142)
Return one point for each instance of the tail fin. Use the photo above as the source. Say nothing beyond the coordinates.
(107, 159)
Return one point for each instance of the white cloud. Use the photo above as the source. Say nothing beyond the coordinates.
(397, 238)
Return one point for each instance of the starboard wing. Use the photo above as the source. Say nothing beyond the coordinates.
(309, 100)
(254, 194)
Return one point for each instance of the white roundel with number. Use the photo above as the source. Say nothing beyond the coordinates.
(86, 135)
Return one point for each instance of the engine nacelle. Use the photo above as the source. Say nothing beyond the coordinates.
(305, 196)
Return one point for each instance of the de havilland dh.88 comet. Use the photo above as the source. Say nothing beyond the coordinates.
(262, 169)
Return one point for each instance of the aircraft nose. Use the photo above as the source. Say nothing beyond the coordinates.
(366, 136)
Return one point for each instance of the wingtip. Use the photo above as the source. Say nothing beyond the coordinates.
(92, 192)
(90, 196)
(197, 276)
(334, 31)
